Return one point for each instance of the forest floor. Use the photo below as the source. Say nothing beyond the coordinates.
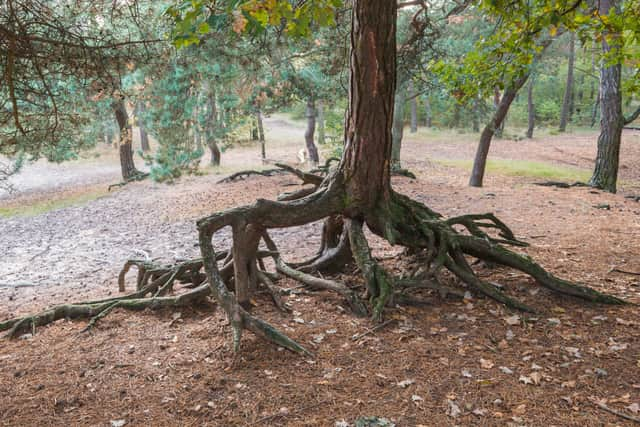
(451, 362)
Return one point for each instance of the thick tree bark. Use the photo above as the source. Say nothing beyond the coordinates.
(413, 102)
(605, 175)
(366, 160)
(263, 148)
(531, 109)
(212, 123)
(321, 131)
(568, 91)
(127, 166)
(312, 150)
(144, 137)
(480, 161)
(427, 110)
(398, 127)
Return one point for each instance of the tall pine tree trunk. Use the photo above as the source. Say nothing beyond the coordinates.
(366, 160)
(127, 166)
(312, 150)
(413, 102)
(398, 127)
(568, 91)
(531, 109)
(605, 175)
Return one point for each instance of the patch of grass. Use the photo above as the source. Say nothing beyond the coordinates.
(38, 207)
(542, 170)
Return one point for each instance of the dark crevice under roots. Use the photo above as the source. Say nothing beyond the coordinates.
(231, 277)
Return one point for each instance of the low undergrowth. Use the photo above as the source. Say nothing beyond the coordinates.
(525, 168)
(53, 202)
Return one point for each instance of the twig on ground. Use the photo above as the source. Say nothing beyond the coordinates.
(17, 285)
(295, 411)
(618, 270)
(617, 413)
(376, 328)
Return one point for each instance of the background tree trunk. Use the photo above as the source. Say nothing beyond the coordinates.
(413, 102)
(321, 131)
(366, 161)
(595, 109)
(197, 129)
(475, 113)
(263, 148)
(144, 138)
(480, 161)
(127, 166)
(455, 124)
(605, 175)
(312, 150)
(108, 133)
(212, 123)
(398, 126)
(427, 110)
(568, 91)
(531, 109)
(496, 105)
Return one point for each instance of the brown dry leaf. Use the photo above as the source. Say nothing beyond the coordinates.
(486, 363)
(568, 384)
(453, 410)
(634, 408)
(405, 383)
(622, 399)
(536, 377)
(525, 380)
(624, 322)
(520, 409)
(512, 320)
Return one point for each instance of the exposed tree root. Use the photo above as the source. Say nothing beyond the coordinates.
(397, 171)
(401, 220)
(324, 169)
(238, 176)
(561, 184)
(138, 176)
(233, 276)
(99, 309)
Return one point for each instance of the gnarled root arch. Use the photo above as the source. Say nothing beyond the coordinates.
(232, 276)
(399, 220)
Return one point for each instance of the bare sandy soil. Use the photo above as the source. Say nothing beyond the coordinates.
(448, 363)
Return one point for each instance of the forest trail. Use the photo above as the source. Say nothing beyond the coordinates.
(453, 351)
